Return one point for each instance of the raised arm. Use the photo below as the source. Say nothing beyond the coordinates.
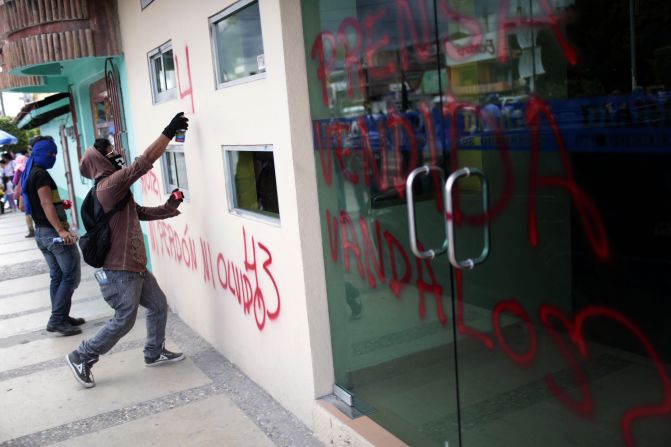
(156, 149)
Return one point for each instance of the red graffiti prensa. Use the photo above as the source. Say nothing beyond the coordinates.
(366, 40)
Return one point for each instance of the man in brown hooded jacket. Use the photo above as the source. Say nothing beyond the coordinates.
(125, 282)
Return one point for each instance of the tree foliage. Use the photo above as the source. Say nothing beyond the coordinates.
(24, 136)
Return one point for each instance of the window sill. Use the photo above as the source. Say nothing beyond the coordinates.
(251, 215)
(244, 80)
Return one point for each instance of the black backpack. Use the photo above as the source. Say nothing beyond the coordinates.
(95, 244)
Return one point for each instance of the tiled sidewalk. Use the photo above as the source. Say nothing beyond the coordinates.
(201, 401)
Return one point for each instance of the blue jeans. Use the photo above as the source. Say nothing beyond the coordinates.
(125, 292)
(64, 270)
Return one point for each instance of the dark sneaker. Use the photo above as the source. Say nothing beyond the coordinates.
(64, 328)
(76, 321)
(81, 369)
(165, 357)
(31, 233)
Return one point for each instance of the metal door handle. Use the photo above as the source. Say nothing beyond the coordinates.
(449, 221)
(412, 226)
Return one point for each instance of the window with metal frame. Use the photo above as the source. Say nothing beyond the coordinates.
(237, 44)
(162, 73)
(101, 111)
(173, 164)
(251, 183)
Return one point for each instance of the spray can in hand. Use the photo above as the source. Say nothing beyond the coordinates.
(59, 240)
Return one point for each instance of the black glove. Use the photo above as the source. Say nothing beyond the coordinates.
(176, 197)
(178, 122)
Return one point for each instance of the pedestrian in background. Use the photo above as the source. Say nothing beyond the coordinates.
(7, 168)
(21, 161)
(42, 201)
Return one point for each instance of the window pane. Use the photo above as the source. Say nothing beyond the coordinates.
(239, 44)
(255, 184)
(180, 167)
(172, 170)
(169, 70)
(158, 73)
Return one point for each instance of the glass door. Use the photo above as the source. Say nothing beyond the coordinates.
(563, 329)
(375, 95)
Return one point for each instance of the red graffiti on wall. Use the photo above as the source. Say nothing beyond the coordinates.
(469, 23)
(549, 315)
(399, 130)
(361, 49)
(187, 91)
(167, 241)
(360, 246)
(575, 330)
(359, 255)
(590, 218)
(253, 283)
(149, 183)
(357, 41)
(451, 111)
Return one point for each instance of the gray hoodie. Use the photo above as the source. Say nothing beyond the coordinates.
(127, 251)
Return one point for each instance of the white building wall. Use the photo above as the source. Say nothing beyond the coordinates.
(290, 356)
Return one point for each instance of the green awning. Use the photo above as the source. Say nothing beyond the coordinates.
(44, 111)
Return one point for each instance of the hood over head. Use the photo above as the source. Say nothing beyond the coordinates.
(44, 153)
(95, 165)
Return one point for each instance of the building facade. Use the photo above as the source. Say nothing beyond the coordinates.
(438, 223)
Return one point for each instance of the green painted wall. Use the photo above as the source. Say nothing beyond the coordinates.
(81, 74)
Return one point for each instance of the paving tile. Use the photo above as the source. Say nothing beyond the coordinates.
(40, 298)
(89, 310)
(54, 347)
(54, 398)
(20, 256)
(17, 245)
(215, 421)
(21, 285)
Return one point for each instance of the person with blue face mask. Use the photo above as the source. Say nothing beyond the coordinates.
(43, 203)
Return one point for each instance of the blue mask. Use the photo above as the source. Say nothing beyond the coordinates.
(44, 154)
